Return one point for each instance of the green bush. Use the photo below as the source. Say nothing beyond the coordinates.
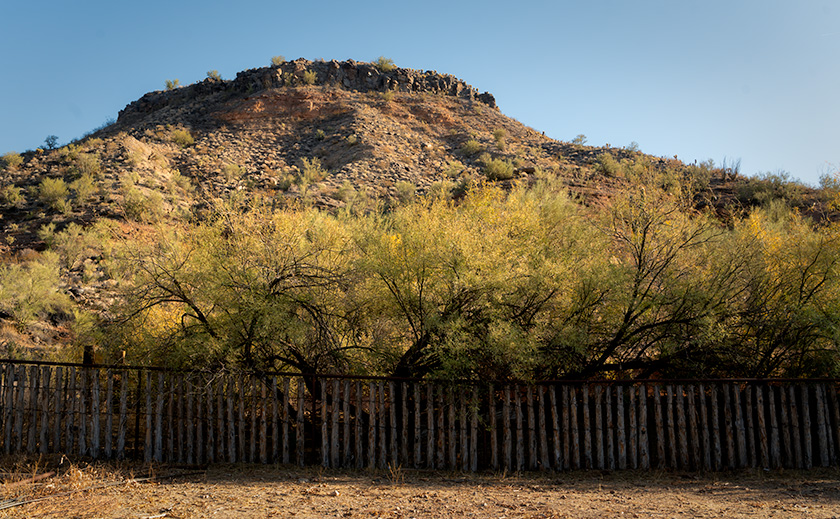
(320, 135)
(608, 165)
(384, 64)
(182, 138)
(405, 191)
(470, 148)
(499, 135)
(12, 160)
(53, 192)
(309, 77)
(580, 139)
(12, 196)
(214, 74)
(498, 169)
(352, 140)
(767, 187)
(31, 291)
(278, 60)
(86, 164)
(232, 172)
(172, 84)
(84, 187)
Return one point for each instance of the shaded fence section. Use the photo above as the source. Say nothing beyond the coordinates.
(200, 417)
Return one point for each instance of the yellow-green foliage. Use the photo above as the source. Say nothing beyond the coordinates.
(31, 291)
(278, 60)
(470, 148)
(11, 160)
(182, 138)
(384, 64)
(84, 187)
(309, 77)
(499, 135)
(12, 196)
(53, 192)
(498, 169)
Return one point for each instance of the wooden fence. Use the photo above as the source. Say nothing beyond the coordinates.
(199, 417)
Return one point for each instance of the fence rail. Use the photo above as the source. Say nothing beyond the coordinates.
(188, 417)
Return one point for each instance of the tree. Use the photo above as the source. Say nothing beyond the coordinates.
(51, 142)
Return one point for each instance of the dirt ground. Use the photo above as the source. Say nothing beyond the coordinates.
(221, 491)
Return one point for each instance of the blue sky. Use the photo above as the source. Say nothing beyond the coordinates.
(750, 80)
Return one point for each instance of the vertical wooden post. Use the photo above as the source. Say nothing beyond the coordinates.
(660, 427)
(644, 458)
(494, 434)
(418, 418)
(45, 409)
(704, 428)
(404, 437)
(587, 433)
(599, 428)
(633, 436)
(83, 414)
(392, 412)
(181, 446)
(231, 427)
(430, 425)
(835, 412)
(474, 430)
(564, 419)
(383, 444)
(672, 426)
(775, 451)
(555, 428)
(360, 408)
(148, 446)
(276, 450)
(159, 419)
(372, 427)
(828, 429)
(171, 425)
(32, 429)
(194, 421)
(692, 427)
(544, 463)
(109, 413)
(621, 440)
(346, 410)
(795, 421)
(532, 439)
(334, 449)
(822, 439)
(287, 397)
(263, 425)
(608, 390)
(94, 410)
(300, 433)
(21, 406)
(210, 451)
(506, 432)
(716, 427)
(762, 426)
(58, 399)
(730, 430)
(123, 418)
(787, 442)
(325, 447)
(806, 425)
(441, 439)
(462, 419)
(240, 400)
(739, 426)
(450, 405)
(681, 427)
(221, 434)
(750, 429)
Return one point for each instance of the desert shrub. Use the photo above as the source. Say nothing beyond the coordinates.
(388, 96)
(214, 74)
(232, 172)
(498, 169)
(12, 196)
(12, 160)
(31, 291)
(608, 165)
(86, 164)
(320, 135)
(172, 84)
(84, 187)
(767, 187)
(53, 192)
(352, 140)
(499, 135)
(309, 77)
(182, 138)
(453, 169)
(384, 64)
(470, 148)
(405, 191)
(278, 60)
(311, 171)
(580, 139)
(633, 147)
(140, 207)
(441, 189)
(179, 181)
(51, 142)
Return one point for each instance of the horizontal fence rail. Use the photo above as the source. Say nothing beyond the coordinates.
(201, 417)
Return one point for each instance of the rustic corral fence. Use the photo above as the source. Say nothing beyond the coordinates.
(201, 417)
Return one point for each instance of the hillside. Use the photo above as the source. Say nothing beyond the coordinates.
(335, 136)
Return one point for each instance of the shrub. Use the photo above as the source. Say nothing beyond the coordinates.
(470, 148)
(51, 142)
(388, 96)
(87, 164)
(767, 187)
(405, 191)
(311, 171)
(214, 74)
(320, 135)
(232, 172)
(608, 165)
(499, 135)
(11, 196)
(182, 138)
(172, 84)
(84, 187)
(12, 160)
(278, 60)
(352, 140)
(384, 64)
(580, 139)
(498, 169)
(53, 192)
(309, 77)
(453, 169)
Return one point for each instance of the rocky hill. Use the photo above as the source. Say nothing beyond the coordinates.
(326, 133)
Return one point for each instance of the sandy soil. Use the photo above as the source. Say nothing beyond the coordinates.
(254, 491)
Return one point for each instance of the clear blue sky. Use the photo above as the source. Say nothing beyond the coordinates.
(755, 80)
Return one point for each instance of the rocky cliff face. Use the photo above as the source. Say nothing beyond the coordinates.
(347, 75)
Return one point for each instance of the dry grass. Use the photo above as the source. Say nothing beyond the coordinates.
(120, 490)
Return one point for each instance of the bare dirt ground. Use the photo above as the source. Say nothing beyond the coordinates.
(221, 491)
